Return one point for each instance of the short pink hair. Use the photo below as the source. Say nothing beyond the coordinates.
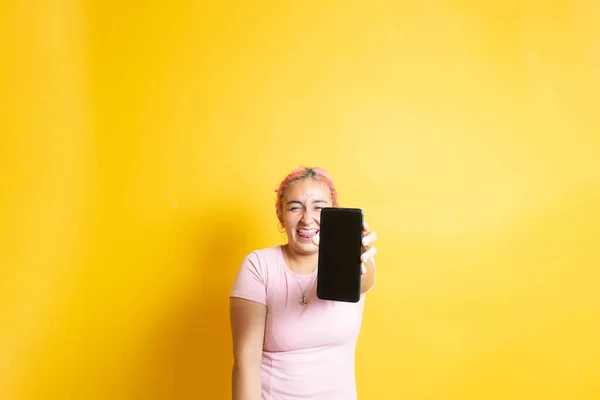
(316, 173)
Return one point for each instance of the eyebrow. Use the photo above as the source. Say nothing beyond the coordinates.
(299, 202)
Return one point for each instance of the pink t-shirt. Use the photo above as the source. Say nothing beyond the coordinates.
(308, 351)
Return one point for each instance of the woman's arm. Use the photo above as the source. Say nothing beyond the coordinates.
(248, 329)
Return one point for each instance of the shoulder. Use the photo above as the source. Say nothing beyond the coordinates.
(253, 275)
(265, 255)
(263, 261)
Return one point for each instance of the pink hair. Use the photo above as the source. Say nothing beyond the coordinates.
(316, 173)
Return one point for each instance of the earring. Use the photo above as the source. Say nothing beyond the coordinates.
(280, 228)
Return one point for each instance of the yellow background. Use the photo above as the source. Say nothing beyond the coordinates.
(142, 143)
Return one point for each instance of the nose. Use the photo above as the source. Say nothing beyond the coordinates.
(309, 215)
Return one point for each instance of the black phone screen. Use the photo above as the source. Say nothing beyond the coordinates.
(340, 248)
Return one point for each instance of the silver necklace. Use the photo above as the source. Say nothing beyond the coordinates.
(303, 300)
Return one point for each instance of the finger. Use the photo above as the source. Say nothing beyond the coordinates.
(316, 239)
(365, 227)
(368, 254)
(363, 269)
(370, 238)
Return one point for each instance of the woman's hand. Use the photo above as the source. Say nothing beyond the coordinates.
(369, 250)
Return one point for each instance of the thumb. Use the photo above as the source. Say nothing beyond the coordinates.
(315, 239)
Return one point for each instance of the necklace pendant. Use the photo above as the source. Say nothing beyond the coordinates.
(303, 300)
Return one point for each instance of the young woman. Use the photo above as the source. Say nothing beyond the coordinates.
(287, 343)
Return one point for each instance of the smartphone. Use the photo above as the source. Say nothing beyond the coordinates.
(340, 247)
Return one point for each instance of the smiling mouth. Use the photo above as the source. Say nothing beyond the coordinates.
(307, 233)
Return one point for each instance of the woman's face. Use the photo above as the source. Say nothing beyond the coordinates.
(301, 209)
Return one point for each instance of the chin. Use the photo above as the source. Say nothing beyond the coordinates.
(306, 247)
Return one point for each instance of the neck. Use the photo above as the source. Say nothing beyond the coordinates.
(301, 264)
